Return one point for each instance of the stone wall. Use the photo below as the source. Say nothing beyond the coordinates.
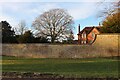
(108, 43)
(105, 45)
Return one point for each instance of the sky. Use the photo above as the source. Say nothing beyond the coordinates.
(84, 12)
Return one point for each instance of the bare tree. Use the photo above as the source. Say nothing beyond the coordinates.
(55, 23)
(109, 8)
(21, 28)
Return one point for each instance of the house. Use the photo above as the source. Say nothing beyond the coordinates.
(88, 34)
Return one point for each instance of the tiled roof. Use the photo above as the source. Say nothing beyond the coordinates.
(89, 29)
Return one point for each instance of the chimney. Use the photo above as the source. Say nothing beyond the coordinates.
(99, 24)
(79, 28)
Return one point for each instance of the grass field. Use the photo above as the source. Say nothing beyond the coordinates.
(93, 67)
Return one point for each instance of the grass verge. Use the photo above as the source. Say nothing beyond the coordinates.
(91, 67)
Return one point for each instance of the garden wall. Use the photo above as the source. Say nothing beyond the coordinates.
(104, 46)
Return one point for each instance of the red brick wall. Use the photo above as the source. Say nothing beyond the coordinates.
(90, 38)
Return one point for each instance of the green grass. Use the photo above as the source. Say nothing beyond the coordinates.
(92, 67)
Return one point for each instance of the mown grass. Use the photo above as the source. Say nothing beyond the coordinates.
(92, 67)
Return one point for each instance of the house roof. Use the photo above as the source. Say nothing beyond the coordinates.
(98, 28)
(89, 29)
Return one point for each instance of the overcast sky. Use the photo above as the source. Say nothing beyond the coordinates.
(84, 12)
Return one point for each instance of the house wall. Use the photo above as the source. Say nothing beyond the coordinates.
(104, 46)
(83, 38)
(79, 37)
(90, 38)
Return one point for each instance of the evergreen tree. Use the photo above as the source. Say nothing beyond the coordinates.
(27, 37)
(8, 35)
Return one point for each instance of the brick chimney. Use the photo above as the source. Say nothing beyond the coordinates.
(79, 29)
(99, 24)
(79, 35)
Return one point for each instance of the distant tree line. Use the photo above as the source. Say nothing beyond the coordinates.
(9, 36)
(24, 36)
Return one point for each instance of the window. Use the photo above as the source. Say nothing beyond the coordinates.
(84, 35)
(84, 42)
(93, 34)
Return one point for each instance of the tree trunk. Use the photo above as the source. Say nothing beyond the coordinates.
(52, 39)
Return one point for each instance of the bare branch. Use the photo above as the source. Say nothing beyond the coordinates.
(21, 28)
(53, 23)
